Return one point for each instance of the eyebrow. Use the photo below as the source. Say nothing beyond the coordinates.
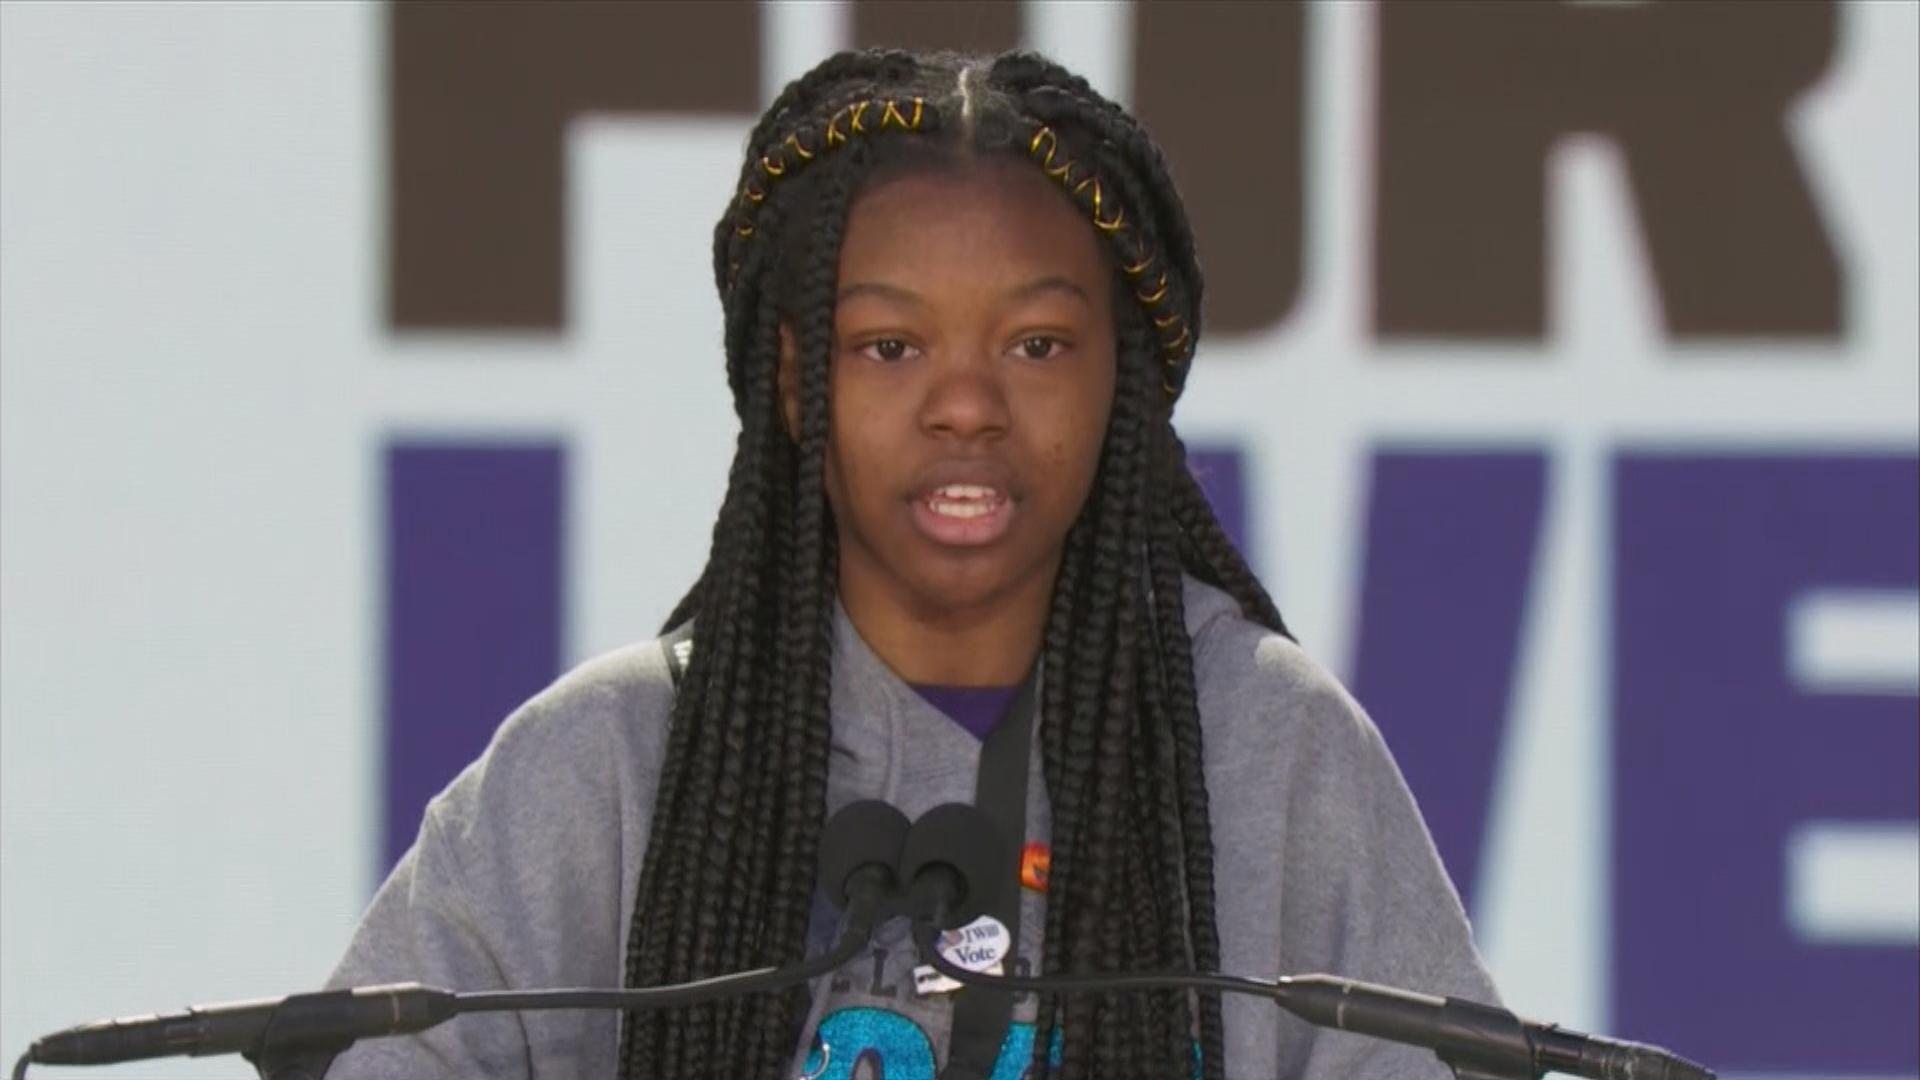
(1052, 283)
(884, 291)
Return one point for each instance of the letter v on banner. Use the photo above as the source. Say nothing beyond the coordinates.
(1451, 542)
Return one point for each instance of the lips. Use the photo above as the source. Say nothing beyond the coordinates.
(963, 505)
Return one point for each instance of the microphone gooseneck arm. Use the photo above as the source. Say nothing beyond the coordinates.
(951, 851)
(859, 931)
(297, 1036)
(1478, 1040)
(306, 1023)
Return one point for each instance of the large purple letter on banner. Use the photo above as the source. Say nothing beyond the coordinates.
(1719, 756)
(1450, 549)
(473, 575)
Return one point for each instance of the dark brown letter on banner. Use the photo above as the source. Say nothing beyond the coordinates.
(1473, 95)
(976, 26)
(479, 99)
(1220, 86)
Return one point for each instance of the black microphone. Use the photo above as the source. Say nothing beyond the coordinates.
(945, 862)
(241, 1027)
(1468, 1033)
(859, 849)
(949, 863)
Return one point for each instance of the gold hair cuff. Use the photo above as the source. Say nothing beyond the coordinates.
(776, 163)
(1159, 291)
(1135, 259)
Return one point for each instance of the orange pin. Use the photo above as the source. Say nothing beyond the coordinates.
(1035, 860)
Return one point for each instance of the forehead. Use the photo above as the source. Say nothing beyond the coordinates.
(984, 223)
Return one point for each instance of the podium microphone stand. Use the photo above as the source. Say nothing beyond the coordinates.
(293, 1046)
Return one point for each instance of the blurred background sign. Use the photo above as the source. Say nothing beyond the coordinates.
(359, 372)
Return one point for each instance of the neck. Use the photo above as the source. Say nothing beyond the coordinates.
(993, 643)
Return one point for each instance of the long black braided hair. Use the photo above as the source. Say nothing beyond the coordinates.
(728, 875)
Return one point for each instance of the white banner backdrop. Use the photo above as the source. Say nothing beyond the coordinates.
(197, 383)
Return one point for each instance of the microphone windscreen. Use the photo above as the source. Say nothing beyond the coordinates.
(965, 840)
(865, 833)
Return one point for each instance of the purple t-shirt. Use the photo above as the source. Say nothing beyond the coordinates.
(979, 709)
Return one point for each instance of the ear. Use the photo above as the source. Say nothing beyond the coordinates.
(789, 381)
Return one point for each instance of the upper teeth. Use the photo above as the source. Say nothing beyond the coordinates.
(963, 491)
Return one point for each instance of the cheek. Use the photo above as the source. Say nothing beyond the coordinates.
(1073, 456)
(851, 455)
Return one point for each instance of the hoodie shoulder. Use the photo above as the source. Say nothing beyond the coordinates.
(1255, 683)
(598, 731)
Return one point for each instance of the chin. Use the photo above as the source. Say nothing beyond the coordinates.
(941, 597)
(970, 588)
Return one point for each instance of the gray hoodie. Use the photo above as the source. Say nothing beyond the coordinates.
(525, 869)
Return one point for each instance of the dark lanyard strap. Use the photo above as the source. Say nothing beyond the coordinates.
(981, 1016)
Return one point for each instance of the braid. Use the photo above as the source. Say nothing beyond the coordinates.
(727, 880)
(1215, 559)
(807, 636)
(1162, 820)
(736, 792)
(1138, 925)
(1104, 860)
(1055, 668)
(669, 890)
(741, 1024)
(1182, 696)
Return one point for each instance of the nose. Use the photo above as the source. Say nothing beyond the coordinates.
(966, 400)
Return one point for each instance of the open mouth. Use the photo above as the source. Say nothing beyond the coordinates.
(963, 515)
(964, 500)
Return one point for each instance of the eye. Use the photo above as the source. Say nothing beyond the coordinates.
(886, 350)
(1040, 347)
